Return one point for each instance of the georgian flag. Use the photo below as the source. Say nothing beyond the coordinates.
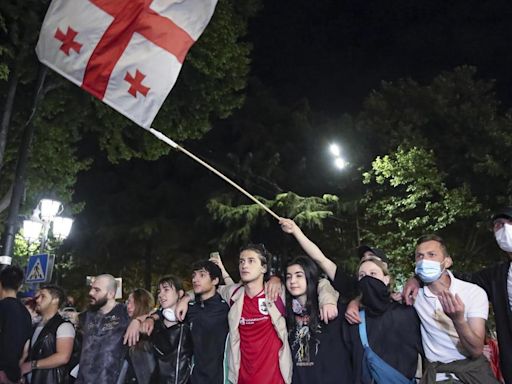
(127, 53)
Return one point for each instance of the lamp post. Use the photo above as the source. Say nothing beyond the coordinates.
(46, 216)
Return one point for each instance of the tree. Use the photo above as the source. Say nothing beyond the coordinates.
(409, 198)
(458, 117)
(210, 86)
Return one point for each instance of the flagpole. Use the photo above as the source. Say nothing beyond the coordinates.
(175, 145)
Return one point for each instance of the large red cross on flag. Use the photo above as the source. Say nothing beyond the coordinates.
(127, 53)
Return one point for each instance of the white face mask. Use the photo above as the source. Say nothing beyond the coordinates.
(504, 237)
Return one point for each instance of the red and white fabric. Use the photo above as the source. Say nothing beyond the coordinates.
(127, 53)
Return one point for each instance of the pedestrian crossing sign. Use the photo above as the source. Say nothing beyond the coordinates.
(39, 268)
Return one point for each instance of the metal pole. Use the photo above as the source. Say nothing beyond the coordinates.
(19, 180)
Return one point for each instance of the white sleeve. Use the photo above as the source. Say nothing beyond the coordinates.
(478, 306)
(65, 330)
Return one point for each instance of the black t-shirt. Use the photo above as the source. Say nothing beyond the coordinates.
(209, 326)
(15, 330)
(395, 336)
(319, 357)
(345, 284)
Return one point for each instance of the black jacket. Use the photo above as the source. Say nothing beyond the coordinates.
(494, 281)
(173, 351)
(209, 325)
(44, 346)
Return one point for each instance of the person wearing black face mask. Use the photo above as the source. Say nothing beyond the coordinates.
(393, 329)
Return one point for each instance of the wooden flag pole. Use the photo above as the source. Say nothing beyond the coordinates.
(175, 145)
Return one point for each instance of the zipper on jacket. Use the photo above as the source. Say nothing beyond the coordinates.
(178, 354)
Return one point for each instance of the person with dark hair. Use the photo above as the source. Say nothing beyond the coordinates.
(52, 341)
(258, 344)
(140, 361)
(393, 330)
(15, 324)
(171, 339)
(318, 351)
(102, 328)
(208, 319)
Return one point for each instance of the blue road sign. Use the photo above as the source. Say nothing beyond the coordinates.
(38, 269)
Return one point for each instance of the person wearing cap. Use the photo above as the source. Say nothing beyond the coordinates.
(365, 251)
(496, 280)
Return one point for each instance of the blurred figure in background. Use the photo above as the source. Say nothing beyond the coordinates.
(140, 361)
(15, 324)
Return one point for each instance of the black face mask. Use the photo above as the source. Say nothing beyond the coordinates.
(375, 295)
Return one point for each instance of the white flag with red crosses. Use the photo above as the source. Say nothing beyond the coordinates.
(127, 53)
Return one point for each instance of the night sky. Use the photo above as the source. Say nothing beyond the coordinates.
(331, 53)
(335, 51)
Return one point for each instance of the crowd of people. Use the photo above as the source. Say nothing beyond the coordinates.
(267, 329)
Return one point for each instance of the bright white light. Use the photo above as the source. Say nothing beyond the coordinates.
(340, 163)
(49, 209)
(32, 230)
(335, 150)
(62, 227)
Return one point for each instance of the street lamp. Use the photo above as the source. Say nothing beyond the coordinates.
(46, 215)
(339, 162)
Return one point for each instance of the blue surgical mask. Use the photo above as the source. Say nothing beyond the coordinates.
(429, 270)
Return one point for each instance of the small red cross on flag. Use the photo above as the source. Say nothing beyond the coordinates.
(136, 83)
(68, 40)
(121, 50)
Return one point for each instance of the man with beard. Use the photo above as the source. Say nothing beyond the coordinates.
(52, 342)
(102, 328)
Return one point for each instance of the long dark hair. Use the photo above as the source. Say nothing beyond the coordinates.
(312, 274)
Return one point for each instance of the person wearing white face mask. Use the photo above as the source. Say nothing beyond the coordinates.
(497, 283)
(453, 314)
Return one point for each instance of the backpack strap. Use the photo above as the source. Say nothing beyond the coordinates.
(362, 329)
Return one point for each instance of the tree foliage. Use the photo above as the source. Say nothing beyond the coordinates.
(240, 220)
(409, 197)
(69, 122)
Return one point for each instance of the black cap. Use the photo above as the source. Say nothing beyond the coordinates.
(379, 253)
(505, 212)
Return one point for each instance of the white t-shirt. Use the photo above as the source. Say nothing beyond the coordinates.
(509, 286)
(438, 334)
(65, 330)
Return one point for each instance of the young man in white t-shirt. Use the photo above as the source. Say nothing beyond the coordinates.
(453, 314)
(52, 342)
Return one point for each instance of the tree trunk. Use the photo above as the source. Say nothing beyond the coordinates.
(21, 166)
(148, 264)
(7, 113)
